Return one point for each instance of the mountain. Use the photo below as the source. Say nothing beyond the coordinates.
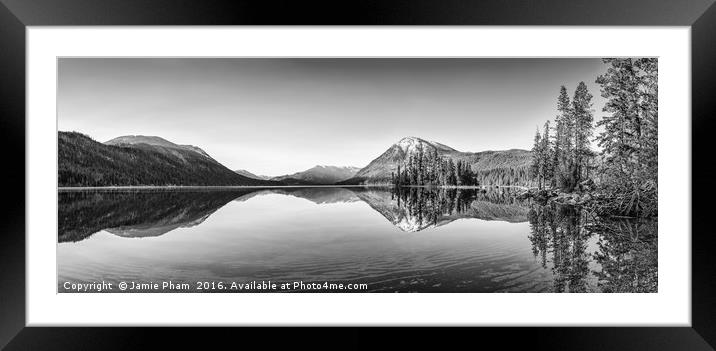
(139, 160)
(139, 140)
(381, 167)
(248, 174)
(318, 175)
(493, 167)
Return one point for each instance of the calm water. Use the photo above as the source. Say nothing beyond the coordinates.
(414, 240)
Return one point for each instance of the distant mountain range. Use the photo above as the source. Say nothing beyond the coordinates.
(248, 174)
(152, 160)
(319, 175)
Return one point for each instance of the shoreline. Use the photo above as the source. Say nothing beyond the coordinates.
(190, 187)
(238, 187)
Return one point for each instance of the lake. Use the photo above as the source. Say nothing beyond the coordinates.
(311, 239)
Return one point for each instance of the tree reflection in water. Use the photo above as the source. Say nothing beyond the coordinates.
(429, 206)
(625, 253)
(628, 255)
(575, 251)
(414, 209)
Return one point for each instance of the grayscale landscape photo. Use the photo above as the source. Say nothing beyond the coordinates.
(357, 175)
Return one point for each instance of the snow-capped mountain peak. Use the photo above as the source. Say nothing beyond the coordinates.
(408, 144)
(411, 144)
(327, 167)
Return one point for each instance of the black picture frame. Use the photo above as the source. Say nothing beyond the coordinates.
(16, 15)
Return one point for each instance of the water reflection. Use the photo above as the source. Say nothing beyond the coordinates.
(624, 258)
(145, 213)
(494, 243)
(415, 209)
(627, 254)
(135, 213)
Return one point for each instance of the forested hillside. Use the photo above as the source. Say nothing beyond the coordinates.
(85, 162)
(510, 167)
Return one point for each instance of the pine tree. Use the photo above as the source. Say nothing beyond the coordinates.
(451, 172)
(420, 166)
(557, 141)
(583, 129)
(546, 157)
(536, 166)
(622, 125)
(630, 138)
(563, 143)
(458, 172)
(650, 111)
(398, 179)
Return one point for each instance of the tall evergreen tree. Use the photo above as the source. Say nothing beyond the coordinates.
(420, 166)
(583, 129)
(546, 166)
(650, 116)
(451, 172)
(564, 134)
(620, 138)
(557, 142)
(536, 166)
(397, 181)
(629, 140)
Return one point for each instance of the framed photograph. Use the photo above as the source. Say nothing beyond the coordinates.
(236, 166)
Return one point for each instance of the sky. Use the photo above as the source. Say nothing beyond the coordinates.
(274, 116)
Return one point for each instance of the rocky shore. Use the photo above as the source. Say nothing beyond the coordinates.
(582, 195)
(639, 202)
